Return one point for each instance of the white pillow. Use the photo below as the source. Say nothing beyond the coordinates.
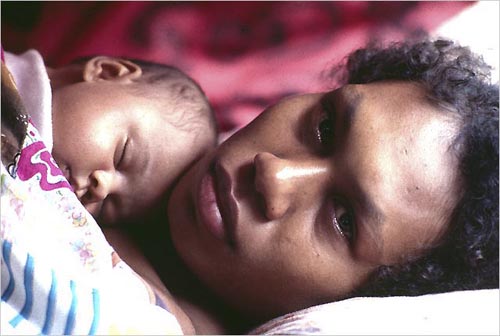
(455, 313)
(477, 27)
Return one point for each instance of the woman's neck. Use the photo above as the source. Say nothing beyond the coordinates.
(206, 311)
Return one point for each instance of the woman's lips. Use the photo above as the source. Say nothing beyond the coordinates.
(208, 209)
(216, 205)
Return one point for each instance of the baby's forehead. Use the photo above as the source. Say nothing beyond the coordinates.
(184, 123)
(183, 109)
(189, 115)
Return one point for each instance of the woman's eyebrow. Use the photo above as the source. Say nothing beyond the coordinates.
(368, 205)
(351, 100)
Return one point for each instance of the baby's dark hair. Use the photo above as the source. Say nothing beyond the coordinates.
(182, 89)
(192, 105)
(467, 256)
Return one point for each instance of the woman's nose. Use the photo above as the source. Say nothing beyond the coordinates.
(279, 181)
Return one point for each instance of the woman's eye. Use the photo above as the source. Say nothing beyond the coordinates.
(326, 126)
(325, 132)
(346, 225)
(344, 220)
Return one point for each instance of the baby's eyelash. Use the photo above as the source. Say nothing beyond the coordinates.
(122, 155)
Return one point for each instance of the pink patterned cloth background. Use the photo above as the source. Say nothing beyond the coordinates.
(245, 55)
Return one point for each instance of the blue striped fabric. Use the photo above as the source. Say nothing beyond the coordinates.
(97, 305)
(49, 314)
(28, 289)
(70, 322)
(6, 249)
(30, 300)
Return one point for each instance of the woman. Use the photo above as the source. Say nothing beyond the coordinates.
(387, 185)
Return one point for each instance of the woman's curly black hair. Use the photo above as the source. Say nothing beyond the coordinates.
(467, 258)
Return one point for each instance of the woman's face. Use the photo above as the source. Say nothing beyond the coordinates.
(300, 206)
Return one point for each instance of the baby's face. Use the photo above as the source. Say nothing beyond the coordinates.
(118, 150)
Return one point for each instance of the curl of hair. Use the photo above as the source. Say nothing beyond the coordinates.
(467, 258)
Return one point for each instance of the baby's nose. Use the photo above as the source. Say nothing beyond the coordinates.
(100, 185)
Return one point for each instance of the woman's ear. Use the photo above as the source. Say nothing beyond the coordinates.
(104, 68)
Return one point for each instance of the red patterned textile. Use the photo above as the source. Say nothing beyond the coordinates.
(245, 55)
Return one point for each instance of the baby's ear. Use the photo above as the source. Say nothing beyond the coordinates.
(101, 68)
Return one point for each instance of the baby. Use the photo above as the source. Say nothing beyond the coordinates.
(123, 130)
